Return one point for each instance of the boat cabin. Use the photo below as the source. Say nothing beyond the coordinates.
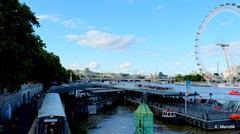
(51, 116)
(168, 114)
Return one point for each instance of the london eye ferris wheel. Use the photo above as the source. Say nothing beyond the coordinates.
(233, 70)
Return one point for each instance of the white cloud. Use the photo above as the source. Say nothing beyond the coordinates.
(124, 67)
(93, 65)
(74, 66)
(53, 18)
(209, 50)
(74, 23)
(177, 63)
(81, 22)
(140, 72)
(98, 39)
(211, 54)
(226, 23)
(214, 50)
(69, 23)
(160, 6)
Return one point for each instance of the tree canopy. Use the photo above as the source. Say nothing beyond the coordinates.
(23, 57)
(192, 77)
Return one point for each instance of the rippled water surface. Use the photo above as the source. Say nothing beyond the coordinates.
(120, 120)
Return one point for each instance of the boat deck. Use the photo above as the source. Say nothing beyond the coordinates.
(202, 116)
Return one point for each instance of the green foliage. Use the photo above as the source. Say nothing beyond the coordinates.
(178, 77)
(192, 77)
(74, 76)
(22, 55)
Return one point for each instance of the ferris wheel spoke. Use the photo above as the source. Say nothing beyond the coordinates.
(227, 7)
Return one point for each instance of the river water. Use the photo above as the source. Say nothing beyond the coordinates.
(217, 92)
(120, 119)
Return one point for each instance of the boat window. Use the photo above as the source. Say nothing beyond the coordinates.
(52, 126)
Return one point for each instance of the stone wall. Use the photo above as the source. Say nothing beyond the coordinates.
(10, 102)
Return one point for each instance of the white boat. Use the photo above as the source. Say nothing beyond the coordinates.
(227, 85)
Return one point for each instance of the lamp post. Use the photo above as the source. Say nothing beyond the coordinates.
(70, 79)
(210, 96)
(188, 84)
(186, 95)
(195, 94)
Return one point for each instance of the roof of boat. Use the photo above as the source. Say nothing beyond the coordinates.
(51, 106)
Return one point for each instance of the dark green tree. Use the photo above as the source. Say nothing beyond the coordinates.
(23, 57)
(192, 77)
(17, 42)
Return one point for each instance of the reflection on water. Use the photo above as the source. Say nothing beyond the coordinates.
(120, 120)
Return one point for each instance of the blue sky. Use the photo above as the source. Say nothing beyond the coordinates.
(133, 36)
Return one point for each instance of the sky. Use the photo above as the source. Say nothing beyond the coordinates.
(135, 36)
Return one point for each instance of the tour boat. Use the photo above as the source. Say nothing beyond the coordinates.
(234, 116)
(155, 87)
(234, 92)
(169, 116)
(227, 85)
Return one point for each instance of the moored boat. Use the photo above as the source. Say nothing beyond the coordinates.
(169, 116)
(234, 92)
(227, 85)
(234, 116)
(155, 87)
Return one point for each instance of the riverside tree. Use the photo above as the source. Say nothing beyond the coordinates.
(23, 57)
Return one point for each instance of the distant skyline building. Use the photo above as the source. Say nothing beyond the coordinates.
(162, 76)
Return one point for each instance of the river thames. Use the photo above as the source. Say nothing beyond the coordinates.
(120, 119)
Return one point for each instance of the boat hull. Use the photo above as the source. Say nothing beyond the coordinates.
(234, 92)
(170, 120)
